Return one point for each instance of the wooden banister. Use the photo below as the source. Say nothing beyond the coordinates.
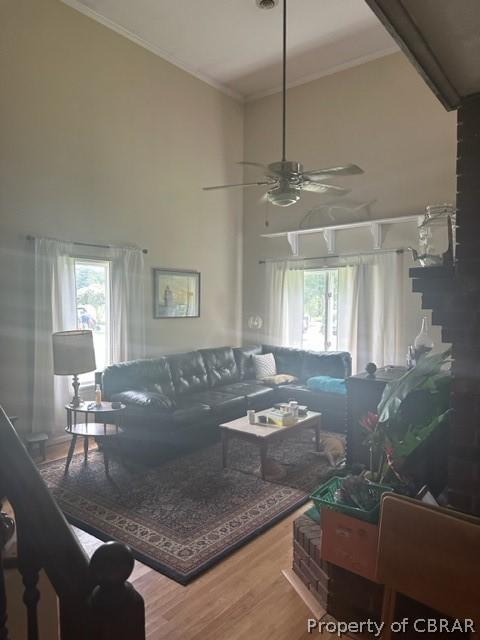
(116, 609)
(95, 601)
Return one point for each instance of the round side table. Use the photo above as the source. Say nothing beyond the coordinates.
(102, 423)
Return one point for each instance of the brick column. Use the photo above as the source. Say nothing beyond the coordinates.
(464, 450)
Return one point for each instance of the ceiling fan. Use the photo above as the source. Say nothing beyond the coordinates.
(286, 179)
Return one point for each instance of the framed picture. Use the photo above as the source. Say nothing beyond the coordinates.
(176, 293)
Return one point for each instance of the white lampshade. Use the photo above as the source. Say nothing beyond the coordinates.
(73, 352)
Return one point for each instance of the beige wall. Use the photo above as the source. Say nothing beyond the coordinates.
(379, 115)
(101, 141)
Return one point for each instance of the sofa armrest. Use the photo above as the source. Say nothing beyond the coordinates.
(145, 399)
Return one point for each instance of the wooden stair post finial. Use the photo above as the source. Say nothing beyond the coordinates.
(116, 609)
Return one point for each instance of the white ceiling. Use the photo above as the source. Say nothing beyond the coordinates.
(236, 47)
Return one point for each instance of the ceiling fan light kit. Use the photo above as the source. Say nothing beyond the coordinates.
(287, 179)
(285, 194)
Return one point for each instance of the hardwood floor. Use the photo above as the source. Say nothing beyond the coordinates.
(244, 597)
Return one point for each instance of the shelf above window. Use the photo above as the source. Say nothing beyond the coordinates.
(328, 231)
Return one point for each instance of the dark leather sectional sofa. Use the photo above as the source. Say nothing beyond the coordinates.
(172, 398)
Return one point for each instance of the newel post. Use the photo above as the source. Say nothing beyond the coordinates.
(116, 609)
(7, 528)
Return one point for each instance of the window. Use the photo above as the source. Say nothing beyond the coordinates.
(320, 301)
(92, 286)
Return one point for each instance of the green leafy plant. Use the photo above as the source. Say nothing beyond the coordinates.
(410, 410)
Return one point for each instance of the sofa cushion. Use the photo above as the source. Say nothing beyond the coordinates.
(336, 364)
(188, 372)
(265, 366)
(145, 399)
(140, 375)
(244, 359)
(246, 388)
(221, 366)
(287, 360)
(257, 395)
(327, 384)
(221, 404)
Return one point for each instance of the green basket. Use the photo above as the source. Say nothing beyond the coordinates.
(324, 496)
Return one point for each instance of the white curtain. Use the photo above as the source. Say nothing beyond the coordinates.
(371, 310)
(54, 310)
(127, 304)
(284, 303)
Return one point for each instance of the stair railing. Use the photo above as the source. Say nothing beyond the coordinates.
(95, 600)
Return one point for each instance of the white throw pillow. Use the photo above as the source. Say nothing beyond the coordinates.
(265, 366)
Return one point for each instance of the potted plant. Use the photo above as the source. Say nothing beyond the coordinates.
(411, 409)
(409, 412)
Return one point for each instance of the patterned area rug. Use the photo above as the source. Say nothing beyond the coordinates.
(188, 513)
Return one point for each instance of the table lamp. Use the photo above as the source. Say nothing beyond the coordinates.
(73, 353)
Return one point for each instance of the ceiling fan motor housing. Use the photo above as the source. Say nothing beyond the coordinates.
(286, 168)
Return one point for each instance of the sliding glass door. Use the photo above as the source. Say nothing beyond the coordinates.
(320, 301)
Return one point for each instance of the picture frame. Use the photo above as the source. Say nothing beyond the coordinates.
(176, 293)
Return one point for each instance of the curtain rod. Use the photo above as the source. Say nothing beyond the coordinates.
(89, 244)
(339, 255)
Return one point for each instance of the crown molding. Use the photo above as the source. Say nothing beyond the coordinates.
(178, 62)
(354, 62)
(158, 51)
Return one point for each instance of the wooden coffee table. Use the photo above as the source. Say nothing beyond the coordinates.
(263, 435)
(101, 423)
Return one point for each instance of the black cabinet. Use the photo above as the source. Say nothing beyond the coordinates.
(363, 395)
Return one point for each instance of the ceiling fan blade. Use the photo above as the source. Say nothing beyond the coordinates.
(329, 189)
(240, 184)
(347, 170)
(253, 164)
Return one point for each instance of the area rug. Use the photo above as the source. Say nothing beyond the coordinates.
(186, 514)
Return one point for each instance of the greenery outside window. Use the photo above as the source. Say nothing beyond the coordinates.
(320, 304)
(92, 290)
